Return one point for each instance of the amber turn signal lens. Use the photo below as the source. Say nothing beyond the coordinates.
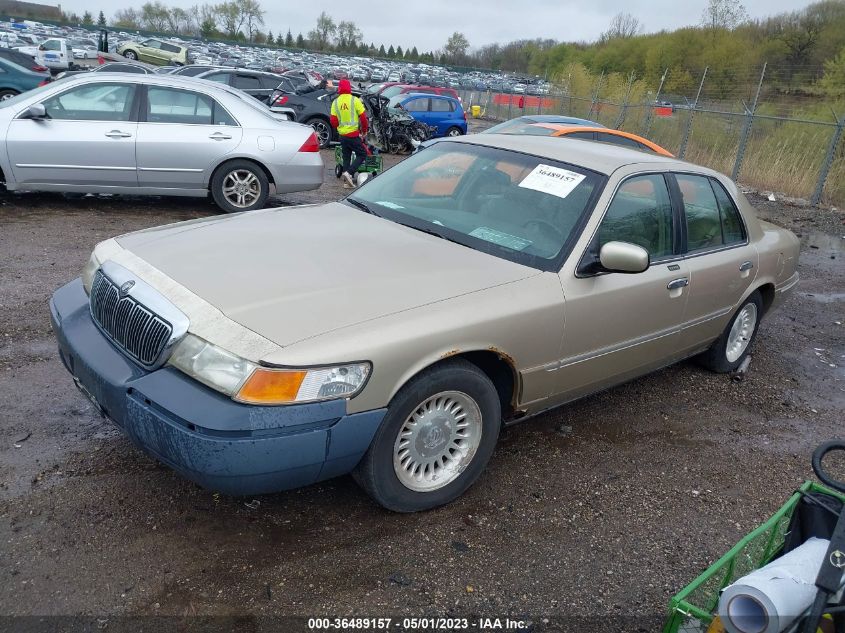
(266, 386)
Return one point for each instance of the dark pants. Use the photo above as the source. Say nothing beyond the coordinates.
(348, 145)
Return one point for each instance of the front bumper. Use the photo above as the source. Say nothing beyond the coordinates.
(205, 436)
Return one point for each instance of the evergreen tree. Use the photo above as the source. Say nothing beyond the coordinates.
(101, 19)
(381, 51)
(300, 41)
(87, 18)
(270, 39)
(399, 53)
(391, 53)
(288, 39)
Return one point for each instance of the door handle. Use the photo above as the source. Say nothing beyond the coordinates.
(219, 136)
(118, 134)
(677, 283)
(746, 266)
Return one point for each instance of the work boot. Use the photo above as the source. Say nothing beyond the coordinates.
(348, 181)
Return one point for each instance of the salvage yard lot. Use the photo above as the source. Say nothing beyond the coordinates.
(605, 507)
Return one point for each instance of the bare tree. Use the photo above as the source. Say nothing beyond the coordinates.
(179, 20)
(456, 46)
(723, 14)
(253, 16)
(230, 18)
(128, 18)
(622, 26)
(321, 35)
(155, 16)
(348, 35)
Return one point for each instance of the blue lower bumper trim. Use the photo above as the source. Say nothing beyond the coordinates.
(207, 437)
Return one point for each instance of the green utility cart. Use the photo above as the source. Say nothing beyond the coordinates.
(372, 164)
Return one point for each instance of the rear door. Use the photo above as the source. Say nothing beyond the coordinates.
(89, 139)
(181, 133)
(441, 114)
(247, 82)
(722, 263)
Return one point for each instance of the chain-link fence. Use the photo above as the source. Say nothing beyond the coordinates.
(761, 138)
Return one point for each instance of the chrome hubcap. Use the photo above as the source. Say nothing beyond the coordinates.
(323, 132)
(6, 97)
(741, 331)
(437, 441)
(454, 133)
(241, 188)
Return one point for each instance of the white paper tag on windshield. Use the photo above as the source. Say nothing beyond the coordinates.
(552, 180)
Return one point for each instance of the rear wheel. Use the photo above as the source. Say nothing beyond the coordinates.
(731, 348)
(454, 131)
(240, 185)
(437, 436)
(130, 54)
(8, 93)
(338, 170)
(322, 129)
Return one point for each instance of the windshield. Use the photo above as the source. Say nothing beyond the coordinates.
(523, 208)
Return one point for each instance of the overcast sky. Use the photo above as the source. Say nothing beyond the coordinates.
(427, 24)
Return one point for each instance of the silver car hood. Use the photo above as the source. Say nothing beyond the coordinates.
(290, 274)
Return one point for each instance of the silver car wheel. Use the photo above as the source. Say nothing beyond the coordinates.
(323, 132)
(437, 441)
(741, 332)
(7, 96)
(241, 188)
(454, 132)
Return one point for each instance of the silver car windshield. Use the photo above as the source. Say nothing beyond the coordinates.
(519, 207)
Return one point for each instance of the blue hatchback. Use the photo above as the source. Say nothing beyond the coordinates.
(440, 111)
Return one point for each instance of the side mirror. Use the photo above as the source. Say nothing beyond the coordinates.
(623, 257)
(35, 111)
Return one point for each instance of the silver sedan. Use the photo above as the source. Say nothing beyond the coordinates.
(154, 135)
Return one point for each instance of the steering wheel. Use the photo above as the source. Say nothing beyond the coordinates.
(546, 225)
(821, 473)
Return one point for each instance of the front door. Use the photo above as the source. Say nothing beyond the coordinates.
(621, 325)
(87, 141)
(721, 261)
(180, 135)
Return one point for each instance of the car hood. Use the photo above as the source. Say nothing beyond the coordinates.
(290, 274)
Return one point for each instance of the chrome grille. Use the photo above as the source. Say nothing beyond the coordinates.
(138, 331)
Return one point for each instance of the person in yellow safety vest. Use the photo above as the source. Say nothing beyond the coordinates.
(350, 119)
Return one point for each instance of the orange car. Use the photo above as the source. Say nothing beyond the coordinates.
(601, 134)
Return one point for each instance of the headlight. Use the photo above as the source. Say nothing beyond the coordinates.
(249, 383)
(88, 272)
(211, 365)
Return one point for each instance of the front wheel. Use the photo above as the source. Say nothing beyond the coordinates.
(437, 436)
(130, 55)
(240, 185)
(731, 348)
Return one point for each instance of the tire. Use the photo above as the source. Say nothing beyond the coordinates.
(724, 356)
(338, 170)
(8, 93)
(130, 54)
(322, 129)
(249, 182)
(462, 453)
(454, 131)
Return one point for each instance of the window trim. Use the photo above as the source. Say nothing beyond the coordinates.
(142, 108)
(582, 268)
(723, 247)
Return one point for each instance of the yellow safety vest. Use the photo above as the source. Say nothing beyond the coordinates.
(346, 108)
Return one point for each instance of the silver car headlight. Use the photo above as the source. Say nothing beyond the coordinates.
(88, 272)
(250, 383)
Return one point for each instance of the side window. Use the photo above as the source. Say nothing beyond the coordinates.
(733, 230)
(165, 105)
(269, 82)
(440, 105)
(640, 213)
(152, 44)
(93, 102)
(246, 82)
(170, 48)
(417, 105)
(587, 136)
(704, 226)
(222, 78)
(615, 139)
(221, 117)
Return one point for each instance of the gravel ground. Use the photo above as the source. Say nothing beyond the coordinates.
(606, 507)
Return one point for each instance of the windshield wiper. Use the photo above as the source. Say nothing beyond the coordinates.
(361, 206)
(434, 233)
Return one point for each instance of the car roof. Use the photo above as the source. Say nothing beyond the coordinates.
(412, 95)
(562, 129)
(557, 118)
(603, 158)
(175, 81)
